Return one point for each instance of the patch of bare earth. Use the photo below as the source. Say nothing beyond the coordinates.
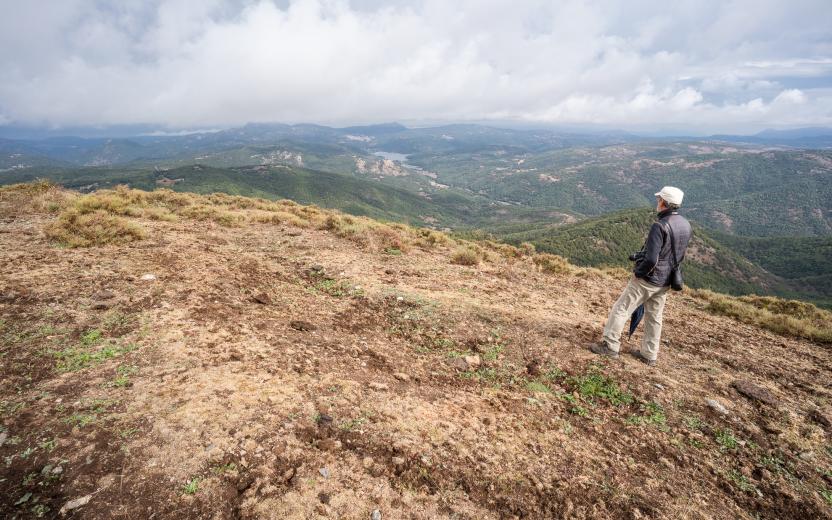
(267, 371)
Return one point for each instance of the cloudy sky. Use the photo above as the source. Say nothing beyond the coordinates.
(701, 65)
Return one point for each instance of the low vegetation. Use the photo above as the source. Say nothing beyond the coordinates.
(788, 317)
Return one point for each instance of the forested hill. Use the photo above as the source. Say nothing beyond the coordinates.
(714, 260)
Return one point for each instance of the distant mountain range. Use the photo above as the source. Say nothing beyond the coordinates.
(745, 193)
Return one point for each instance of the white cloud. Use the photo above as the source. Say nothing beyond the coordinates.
(706, 65)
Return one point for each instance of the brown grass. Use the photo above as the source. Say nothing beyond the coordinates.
(93, 228)
(553, 264)
(788, 317)
(465, 255)
(35, 197)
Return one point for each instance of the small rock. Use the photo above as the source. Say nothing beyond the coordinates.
(762, 474)
(3, 437)
(103, 295)
(148, 277)
(302, 326)
(262, 298)
(459, 364)
(58, 470)
(401, 376)
(367, 462)
(377, 386)
(289, 474)
(245, 482)
(754, 392)
(329, 444)
(75, 504)
(473, 361)
(324, 472)
(106, 481)
(317, 268)
(807, 455)
(816, 415)
(398, 461)
(659, 386)
(321, 509)
(375, 515)
(716, 406)
(100, 306)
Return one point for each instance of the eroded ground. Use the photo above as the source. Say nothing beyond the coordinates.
(269, 371)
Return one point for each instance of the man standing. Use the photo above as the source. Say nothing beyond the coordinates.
(651, 279)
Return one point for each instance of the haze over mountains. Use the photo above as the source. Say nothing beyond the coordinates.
(562, 191)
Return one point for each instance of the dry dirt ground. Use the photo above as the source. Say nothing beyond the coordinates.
(268, 371)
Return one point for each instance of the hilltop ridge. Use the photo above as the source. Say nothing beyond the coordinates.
(217, 356)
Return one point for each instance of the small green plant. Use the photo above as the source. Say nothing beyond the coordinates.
(554, 374)
(493, 352)
(538, 387)
(595, 385)
(10, 408)
(693, 422)
(395, 251)
(579, 411)
(741, 481)
(726, 440)
(336, 288)
(192, 486)
(353, 424)
(481, 374)
(77, 358)
(122, 378)
(80, 419)
(91, 337)
(827, 495)
(652, 414)
(224, 468)
(126, 433)
(48, 445)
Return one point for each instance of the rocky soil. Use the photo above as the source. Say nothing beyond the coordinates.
(268, 371)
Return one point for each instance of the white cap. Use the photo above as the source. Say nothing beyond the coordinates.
(671, 195)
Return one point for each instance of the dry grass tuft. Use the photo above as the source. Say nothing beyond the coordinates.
(92, 228)
(465, 255)
(35, 197)
(101, 217)
(553, 264)
(788, 317)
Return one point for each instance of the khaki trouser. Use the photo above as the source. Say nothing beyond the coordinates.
(636, 293)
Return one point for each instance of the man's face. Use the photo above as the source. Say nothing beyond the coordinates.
(659, 204)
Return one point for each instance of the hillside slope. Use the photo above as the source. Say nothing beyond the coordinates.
(223, 357)
(332, 190)
(610, 239)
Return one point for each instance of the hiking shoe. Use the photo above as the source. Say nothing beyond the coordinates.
(602, 349)
(648, 362)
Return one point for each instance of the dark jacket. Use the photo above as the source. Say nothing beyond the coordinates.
(655, 266)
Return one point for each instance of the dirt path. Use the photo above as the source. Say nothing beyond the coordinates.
(269, 371)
